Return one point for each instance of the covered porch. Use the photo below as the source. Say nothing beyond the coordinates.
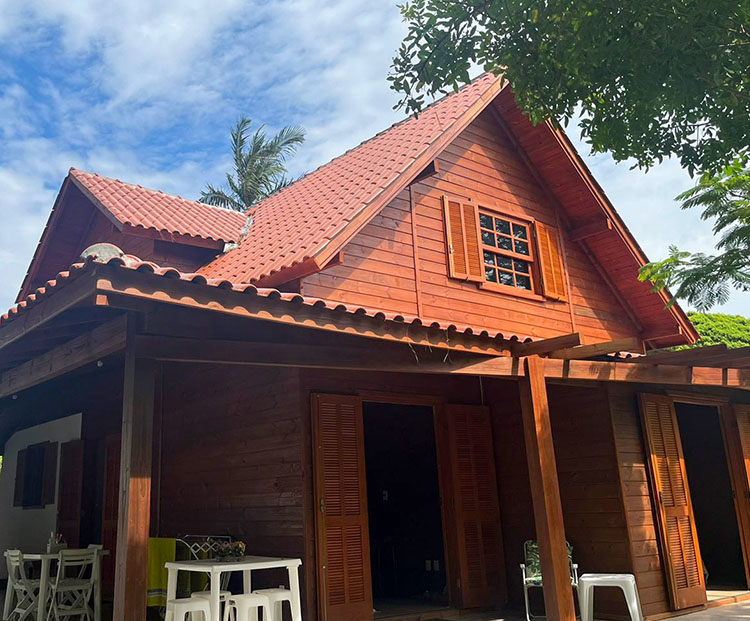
(197, 415)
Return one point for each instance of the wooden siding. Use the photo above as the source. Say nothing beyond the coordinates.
(81, 224)
(593, 509)
(231, 457)
(648, 566)
(379, 268)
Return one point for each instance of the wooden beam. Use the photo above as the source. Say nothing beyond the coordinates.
(597, 227)
(125, 284)
(50, 307)
(131, 570)
(100, 342)
(683, 356)
(422, 360)
(545, 493)
(430, 170)
(545, 346)
(597, 349)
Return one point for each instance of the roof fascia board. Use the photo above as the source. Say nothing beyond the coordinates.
(401, 181)
(619, 225)
(188, 240)
(95, 201)
(44, 240)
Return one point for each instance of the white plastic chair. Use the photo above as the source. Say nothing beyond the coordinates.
(189, 605)
(245, 608)
(625, 582)
(21, 588)
(71, 596)
(276, 599)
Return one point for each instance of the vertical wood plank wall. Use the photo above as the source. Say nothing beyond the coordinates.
(378, 269)
(647, 561)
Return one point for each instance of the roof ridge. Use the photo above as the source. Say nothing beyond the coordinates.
(429, 107)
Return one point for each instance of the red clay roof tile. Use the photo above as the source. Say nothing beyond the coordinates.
(292, 225)
(153, 209)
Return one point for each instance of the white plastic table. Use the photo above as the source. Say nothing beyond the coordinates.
(246, 564)
(46, 560)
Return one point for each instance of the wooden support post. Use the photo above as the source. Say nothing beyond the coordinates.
(135, 484)
(545, 493)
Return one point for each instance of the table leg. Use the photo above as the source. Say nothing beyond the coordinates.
(294, 588)
(215, 592)
(247, 583)
(171, 590)
(98, 588)
(41, 611)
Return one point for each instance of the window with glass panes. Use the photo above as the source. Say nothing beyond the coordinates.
(506, 248)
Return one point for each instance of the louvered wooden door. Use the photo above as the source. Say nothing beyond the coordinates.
(476, 512)
(343, 544)
(738, 452)
(679, 540)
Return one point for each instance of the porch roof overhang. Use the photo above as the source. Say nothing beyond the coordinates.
(106, 289)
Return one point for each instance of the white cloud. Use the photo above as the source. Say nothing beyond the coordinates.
(146, 91)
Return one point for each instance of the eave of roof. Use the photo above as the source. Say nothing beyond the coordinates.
(133, 268)
(146, 209)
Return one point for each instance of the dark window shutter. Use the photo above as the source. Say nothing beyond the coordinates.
(551, 263)
(20, 478)
(462, 235)
(49, 483)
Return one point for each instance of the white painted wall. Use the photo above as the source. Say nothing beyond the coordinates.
(29, 529)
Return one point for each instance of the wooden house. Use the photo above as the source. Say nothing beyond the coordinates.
(417, 357)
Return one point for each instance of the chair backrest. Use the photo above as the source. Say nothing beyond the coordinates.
(17, 577)
(82, 562)
(203, 546)
(534, 566)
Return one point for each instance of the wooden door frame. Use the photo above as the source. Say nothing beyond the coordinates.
(735, 465)
(437, 404)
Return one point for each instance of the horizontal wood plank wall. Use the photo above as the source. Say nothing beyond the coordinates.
(232, 457)
(589, 487)
(183, 257)
(377, 387)
(647, 561)
(378, 268)
(514, 491)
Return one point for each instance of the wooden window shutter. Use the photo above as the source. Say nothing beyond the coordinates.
(674, 510)
(462, 235)
(742, 413)
(551, 263)
(49, 482)
(343, 541)
(20, 478)
(71, 490)
(476, 513)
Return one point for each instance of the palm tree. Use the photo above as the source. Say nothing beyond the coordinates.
(259, 166)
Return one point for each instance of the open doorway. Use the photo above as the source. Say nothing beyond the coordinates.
(712, 498)
(403, 496)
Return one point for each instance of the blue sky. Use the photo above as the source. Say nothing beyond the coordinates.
(146, 92)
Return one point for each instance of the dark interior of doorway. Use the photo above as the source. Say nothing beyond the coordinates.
(711, 493)
(403, 496)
